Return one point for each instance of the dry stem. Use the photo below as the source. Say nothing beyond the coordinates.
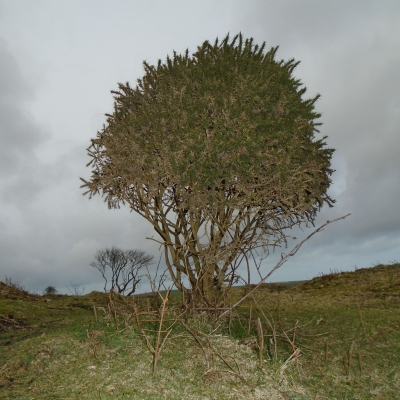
(260, 341)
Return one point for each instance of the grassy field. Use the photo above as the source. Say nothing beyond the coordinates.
(334, 337)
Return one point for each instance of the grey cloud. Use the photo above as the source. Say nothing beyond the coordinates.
(349, 52)
(19, 133)
(367, 120)
(13, 86)
(315, 23)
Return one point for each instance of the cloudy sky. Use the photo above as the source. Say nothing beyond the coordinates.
(60, 59)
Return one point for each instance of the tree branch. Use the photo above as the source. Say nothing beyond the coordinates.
(283, 260)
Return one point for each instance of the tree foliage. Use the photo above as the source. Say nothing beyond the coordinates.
(124, 268)
(217, 150)
(50, 290)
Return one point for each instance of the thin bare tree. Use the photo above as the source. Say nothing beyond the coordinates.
(123, 267)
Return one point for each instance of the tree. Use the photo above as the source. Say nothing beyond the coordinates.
(76, 289)
(217, 151)
(50, 290)
(125, 268)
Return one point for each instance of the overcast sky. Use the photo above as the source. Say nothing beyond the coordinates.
(60, 59)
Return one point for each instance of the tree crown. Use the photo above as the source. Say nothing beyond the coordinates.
(227, 126)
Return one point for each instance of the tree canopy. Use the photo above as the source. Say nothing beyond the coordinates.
(217, 150)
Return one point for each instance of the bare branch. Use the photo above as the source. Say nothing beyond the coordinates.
(282, 261)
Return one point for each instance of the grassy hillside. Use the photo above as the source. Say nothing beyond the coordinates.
(334, 337)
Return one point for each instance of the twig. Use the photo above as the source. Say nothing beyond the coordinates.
(251, 311)
(232, 371)
(362, 321)
(95, 313)
(198, 342)
(345, 365)
(273, 329)
(295, 355)
(275, 341)
(294, 348)
(351, 355)
(294, 331)
(326, 351)
(158, 346)
(9, 320)
(142, 332)
(260, 341)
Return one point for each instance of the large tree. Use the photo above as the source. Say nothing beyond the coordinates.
(217, 151)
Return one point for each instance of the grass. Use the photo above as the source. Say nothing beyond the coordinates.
(334, 337)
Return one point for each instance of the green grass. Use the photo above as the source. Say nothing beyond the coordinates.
(345, 325)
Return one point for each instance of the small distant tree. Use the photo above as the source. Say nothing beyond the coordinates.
(125, 267)
(50, 290)
(76, 289)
